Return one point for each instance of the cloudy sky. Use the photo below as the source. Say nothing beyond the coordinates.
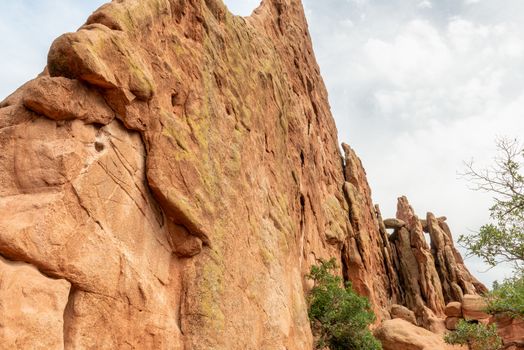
(416, 87)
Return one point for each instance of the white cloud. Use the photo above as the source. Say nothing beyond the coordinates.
(418, 92)
(347, 23)
(426, 4)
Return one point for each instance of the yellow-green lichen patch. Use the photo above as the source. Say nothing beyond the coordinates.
(336, 229)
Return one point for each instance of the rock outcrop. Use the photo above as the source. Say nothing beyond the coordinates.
(511, 330)
(401, 268)
(473, 309)
(178, 167)
(399, 334)
(170, 178)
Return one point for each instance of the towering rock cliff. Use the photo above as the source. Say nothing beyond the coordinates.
(170, 178)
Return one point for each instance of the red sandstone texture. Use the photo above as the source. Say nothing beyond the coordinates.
(169, 179)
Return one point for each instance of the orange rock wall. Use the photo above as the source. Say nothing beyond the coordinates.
(170, 178)
(179, 168)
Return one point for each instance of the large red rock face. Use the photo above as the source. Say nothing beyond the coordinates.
(169, 179)
(172, 175)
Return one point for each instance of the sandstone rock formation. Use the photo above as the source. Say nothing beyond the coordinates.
(473, 307)
(171, 177)
(453, 309)
(31, 303)
(401, 268)
(402, 312)
(511, 331)
(398, 334)
(430, 275)
(179, 168)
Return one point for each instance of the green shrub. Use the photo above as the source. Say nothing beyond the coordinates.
(339, 317)
(476, 335)
(508, 298)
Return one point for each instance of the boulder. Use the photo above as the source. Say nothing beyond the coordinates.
(402, 312)
(399, 334)
(453, 309)
(394, 223)
(473, 307)
(451, 322)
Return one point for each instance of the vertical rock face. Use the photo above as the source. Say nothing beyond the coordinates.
(171, 176)
(367, 255)
(179, 168)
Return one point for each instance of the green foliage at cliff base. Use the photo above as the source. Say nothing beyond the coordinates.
(476, 335)
(339, 317)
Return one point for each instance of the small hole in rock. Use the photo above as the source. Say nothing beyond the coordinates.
(99, 146)
(174, 99)
(98, 126)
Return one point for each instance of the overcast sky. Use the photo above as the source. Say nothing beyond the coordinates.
(416, 87)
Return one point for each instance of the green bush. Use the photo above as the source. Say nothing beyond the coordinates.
(339, 317)
(508, 298)
(476, 335)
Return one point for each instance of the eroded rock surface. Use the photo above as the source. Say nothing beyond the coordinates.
(173, 174)
(31, 303)
(399, 334)
(399, 267)
(179, 168)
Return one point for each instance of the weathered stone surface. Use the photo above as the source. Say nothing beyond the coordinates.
(473, 307)
(453, 309)
(398, 334)
(31, 308)
(400, 268)
(402, 312)
(394, 223)
(367, 254)
(179, 167)
(455, 277)
(175, 172)
(418, 272)
(429, 276)
(451, 322)
(65, 99)
(511, 330)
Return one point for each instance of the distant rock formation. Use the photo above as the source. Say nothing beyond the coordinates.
(401, 268)
(170, 178)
